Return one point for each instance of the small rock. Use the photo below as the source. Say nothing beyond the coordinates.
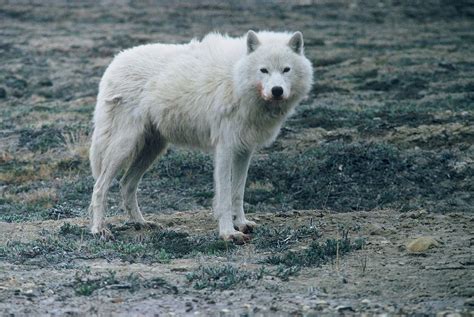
(365, 302)
(344, 308)
(3, 93)
(422, 244)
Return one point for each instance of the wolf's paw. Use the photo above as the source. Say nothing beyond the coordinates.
(102, 233)
(236, 236)
(246, 227)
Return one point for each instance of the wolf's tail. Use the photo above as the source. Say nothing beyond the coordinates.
(95, 156)
(103, 119)
(107, 112)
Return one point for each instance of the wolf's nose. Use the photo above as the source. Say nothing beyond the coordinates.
(277, 91)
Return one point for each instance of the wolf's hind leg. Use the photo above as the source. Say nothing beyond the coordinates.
(118, 151)
(153, 146)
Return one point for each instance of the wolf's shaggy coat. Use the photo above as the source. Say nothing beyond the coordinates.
(225, 95)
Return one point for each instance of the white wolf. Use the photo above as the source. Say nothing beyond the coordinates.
(222, 94)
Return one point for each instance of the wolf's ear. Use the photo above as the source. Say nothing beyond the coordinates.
(296, 42)
(252, 41)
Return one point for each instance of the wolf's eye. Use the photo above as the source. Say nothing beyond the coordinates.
(264, 70)
(286, 69)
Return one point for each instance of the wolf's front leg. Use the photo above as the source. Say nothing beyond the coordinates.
(223, 194)
(240, 166)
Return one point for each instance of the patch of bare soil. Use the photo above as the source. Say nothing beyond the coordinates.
(383, 277)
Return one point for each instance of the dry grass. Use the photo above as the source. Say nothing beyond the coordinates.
(44, 197)
(78, 143)
(27, 174)
(38, 119)
(257, 185)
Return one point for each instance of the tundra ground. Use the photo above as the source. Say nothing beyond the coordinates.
(380, 154)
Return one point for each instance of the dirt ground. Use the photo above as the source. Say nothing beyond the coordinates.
(383, 277)
(380, 154)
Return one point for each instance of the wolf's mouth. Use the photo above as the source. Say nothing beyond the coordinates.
(273, 99)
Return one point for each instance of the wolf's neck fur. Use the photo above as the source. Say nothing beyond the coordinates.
(261, 120)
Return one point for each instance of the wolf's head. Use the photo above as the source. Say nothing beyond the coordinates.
(274, 70)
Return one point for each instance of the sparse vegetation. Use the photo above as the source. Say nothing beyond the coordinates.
(317, 253)
(219, 277)
(286, 263)
(223, 277)
(78, 142)
(85, 286)
(280, 239)
(73, 241)
(85, 283)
